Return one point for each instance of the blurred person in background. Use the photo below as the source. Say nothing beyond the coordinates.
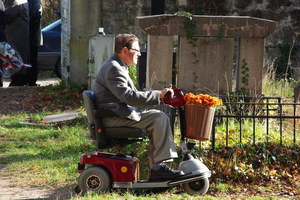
(17, 35)
(35, 39)
(2, 33)
(2, 21)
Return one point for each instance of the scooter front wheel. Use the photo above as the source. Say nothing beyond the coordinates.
(197, 187)
(94, 179)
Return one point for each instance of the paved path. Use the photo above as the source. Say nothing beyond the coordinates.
(9, 191)
(43, 82)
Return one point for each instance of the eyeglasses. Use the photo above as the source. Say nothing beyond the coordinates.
(138, 51)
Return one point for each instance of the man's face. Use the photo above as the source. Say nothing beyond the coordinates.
(133, 54)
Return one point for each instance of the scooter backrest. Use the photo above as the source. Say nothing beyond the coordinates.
(111, 136)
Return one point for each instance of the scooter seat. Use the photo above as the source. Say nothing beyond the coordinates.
(124, 132)
(108, 136)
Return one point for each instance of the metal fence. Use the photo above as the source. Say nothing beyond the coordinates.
(264, 110)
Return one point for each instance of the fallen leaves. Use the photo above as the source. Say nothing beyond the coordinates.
(274, 166)
(227, 172)
(238, 151)
(242, 166)
(34, 168)
(39, 99)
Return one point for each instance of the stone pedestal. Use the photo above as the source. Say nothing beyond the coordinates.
(252, 53)
(159, 54)
(213, 73)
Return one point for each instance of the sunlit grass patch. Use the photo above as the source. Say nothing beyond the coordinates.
(43, 155)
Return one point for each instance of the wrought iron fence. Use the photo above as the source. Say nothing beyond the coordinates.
(267, 109)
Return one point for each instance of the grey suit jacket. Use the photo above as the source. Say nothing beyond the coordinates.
(115, 90)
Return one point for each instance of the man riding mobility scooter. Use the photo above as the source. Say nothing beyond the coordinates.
(108, 170)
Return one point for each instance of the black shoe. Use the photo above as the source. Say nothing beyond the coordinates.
(164, 173)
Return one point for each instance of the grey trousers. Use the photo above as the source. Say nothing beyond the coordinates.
(161, 145)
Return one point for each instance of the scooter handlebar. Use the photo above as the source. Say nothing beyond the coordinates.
(175, 101)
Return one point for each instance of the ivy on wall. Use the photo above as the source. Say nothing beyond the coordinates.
(205, 7)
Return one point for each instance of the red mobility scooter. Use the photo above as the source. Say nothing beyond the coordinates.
(108, 170)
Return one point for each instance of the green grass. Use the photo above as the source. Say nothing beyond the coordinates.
(42, 155)
(261, 134)
(278, 87)
(47, 155)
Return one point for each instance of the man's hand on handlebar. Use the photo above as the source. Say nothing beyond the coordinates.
(166, 92)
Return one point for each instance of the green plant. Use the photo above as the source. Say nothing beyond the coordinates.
(245, 77)
(164, 83)
(48, 15)
(133, 74)
(195, 79)
(189, 26)
(206, 7)
(283, 87)
(281, 64)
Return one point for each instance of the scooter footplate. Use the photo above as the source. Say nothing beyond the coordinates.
(190, 178)
(167, 183)
(152, 184)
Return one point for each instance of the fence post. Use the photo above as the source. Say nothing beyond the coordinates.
(254, 123)
(213, 135)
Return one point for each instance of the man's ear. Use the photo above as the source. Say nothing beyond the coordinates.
(125, 50)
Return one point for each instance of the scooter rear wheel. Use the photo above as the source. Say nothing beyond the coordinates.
(197, 187)
(94, 179)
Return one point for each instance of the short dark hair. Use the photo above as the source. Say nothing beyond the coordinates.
(124, 40)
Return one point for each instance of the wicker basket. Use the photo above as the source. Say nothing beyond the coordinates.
(198, 120)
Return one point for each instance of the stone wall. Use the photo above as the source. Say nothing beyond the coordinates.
(210, 71)
(285, 12)
(119, 17)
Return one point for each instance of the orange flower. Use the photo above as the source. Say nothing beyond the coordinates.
(202, 100)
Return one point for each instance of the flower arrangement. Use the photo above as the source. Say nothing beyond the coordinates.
(10, 60)
(199, 115)
(202, 100)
